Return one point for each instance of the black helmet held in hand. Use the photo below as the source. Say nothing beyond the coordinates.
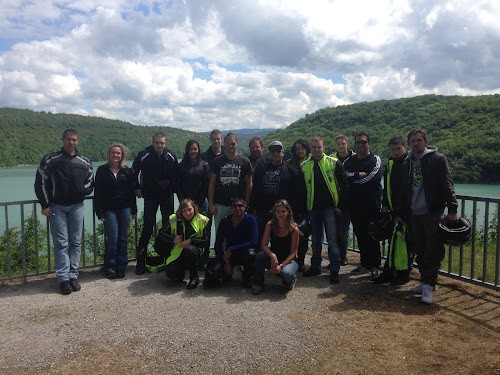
(454, 233)
(305, 228)
(381, 227)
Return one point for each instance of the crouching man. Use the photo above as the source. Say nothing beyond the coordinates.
(236, 241)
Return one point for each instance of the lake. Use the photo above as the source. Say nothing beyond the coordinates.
(16, 184)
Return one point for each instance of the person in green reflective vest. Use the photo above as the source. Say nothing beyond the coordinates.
(396, 169)
(187, 232)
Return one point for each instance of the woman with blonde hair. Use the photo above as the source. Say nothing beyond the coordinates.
(114, 202)
(280, 255)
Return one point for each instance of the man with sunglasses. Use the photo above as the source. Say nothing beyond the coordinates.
(325, 185)
(274, 180)
(230, 176)
(236, 241)
(364, 172)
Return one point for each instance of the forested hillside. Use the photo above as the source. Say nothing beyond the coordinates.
(25, 136)
(465, 129)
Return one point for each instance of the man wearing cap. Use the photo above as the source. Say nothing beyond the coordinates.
(274, 180)
(326, 186)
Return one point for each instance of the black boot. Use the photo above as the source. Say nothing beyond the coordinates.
(402, 277)
(140, 268)
(193, 283)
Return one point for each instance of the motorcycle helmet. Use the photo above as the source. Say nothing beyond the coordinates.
(381, 227)
(154, 262)
(454, 233)
(305, 228)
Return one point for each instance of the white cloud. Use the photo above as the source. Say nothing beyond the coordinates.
(200, 65)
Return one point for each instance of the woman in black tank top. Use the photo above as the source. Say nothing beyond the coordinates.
(278, 256)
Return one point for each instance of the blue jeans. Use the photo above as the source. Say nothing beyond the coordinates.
(262, 261)
(343, 222)
(221, 212)
(150, 208)
(327, 219)
(66, 226)
(115, 233)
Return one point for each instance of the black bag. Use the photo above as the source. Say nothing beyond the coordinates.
(164, 242)
(213, 273)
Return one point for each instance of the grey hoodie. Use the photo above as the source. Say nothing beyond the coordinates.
(418, 202)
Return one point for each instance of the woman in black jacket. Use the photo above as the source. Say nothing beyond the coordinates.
(194, 174)
(115, 203)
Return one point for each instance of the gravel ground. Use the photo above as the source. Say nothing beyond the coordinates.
(146, 324)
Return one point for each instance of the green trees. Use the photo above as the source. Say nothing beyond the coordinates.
(35, 254)
(465, 129)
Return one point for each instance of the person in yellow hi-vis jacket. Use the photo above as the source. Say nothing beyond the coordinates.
(182, 241)
(394, 185)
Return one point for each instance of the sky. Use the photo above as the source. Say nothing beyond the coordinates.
(206, 64)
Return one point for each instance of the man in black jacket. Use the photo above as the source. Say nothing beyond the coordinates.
(395, 182)
(430, 190)
(159, 173)
(364, 173)
(63, 179)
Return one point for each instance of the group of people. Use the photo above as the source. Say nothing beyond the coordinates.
(261, 207)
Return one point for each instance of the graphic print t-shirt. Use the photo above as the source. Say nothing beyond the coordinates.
(230, 178)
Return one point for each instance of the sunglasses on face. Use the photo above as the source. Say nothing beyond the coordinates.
(237, 205)
(363, 142)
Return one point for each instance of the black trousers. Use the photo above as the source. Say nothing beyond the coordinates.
(187, 260)
(369, 248)
(245, 259)
(428, 247)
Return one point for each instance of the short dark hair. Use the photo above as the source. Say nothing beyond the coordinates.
(237, 199)
(342, 136)
(255, 139)
(397, 140)
(318, 139)
(215, 132)
(70, 131)
(230, 134)
(419, 131)
(158, 134)
(362, 134)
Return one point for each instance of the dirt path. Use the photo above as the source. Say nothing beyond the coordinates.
(144, 324)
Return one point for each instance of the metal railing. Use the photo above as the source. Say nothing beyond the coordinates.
(26, 246)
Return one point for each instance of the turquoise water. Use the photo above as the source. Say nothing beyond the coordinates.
(16, 184)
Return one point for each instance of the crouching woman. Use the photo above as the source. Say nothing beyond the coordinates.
(280, 256)
(186, 235)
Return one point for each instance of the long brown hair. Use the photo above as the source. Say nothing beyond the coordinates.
(183, 204)
(290, 223)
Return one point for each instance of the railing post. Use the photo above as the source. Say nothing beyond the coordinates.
(23, 244)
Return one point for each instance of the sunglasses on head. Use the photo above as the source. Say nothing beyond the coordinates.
(363, 142)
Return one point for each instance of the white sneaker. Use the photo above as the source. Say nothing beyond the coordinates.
(418, 289)
(426, 294)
